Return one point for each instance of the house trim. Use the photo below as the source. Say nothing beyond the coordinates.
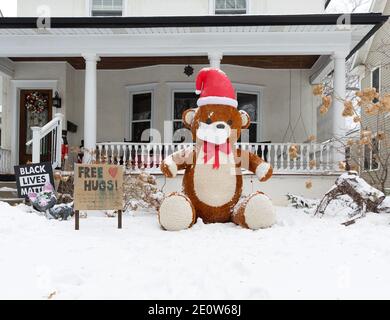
(15, 87)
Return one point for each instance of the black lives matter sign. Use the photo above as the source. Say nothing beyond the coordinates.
(32, 177)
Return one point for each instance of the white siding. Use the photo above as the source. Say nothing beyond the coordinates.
(377, 58)
(76, 8)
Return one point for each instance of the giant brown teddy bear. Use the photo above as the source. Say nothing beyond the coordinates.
(212, 182)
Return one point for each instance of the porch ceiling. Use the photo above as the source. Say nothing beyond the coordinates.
(117, 63)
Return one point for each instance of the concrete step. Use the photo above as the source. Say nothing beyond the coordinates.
(7, 177)
(8, 193)
(12, 201)
(8, 184)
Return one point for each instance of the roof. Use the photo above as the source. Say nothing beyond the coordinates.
(192, 21)
(363, 25)
(362, 54)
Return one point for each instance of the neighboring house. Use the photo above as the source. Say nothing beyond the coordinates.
(372, 62)
(119, 68)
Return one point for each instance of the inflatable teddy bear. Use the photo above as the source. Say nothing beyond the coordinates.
(212, 182)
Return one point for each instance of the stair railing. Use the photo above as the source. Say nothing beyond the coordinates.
(53, 127)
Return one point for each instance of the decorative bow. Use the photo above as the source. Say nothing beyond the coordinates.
(212, 150)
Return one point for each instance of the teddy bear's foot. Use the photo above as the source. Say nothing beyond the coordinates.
(176, 212)
(255, 212)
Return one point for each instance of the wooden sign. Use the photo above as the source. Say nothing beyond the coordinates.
(98, 187)
(33, 177)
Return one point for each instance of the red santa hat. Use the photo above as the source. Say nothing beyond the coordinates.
(214, 87)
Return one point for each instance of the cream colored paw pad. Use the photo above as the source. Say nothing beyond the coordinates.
(176, 213)
(259, 212)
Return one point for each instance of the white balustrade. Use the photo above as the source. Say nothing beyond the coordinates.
(148, 156)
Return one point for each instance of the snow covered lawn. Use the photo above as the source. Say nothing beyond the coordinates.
(301, 257)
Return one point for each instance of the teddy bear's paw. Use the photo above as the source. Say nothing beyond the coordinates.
(176, 212)
(255, 212)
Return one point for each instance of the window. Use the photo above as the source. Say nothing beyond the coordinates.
(249, 102)
(141, 114)
(182, 101)
(375, 81)
(371, 153)
(230, 6)
(107, 8)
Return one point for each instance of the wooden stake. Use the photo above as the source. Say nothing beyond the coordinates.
(77, 220)
(119, 219)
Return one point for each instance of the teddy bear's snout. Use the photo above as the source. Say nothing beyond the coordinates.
(220, 126)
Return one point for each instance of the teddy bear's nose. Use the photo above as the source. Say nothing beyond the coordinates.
(220, 126)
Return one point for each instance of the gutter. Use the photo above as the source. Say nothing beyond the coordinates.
(191, 21)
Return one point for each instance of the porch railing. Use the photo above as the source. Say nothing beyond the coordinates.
(311, 157)
(5, 161)
(52, 129)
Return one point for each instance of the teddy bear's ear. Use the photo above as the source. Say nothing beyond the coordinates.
(246, 121)
(188, 117)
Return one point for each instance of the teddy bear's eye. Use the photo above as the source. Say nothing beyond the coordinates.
(208, 121)
(230, 122)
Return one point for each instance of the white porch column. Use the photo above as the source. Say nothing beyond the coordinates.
(215, 59)
(339, 95)
(90, 109)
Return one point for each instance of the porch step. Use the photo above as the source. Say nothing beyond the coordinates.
(9, 194)
(7, 177)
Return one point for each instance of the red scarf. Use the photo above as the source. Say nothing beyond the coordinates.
(212, 150)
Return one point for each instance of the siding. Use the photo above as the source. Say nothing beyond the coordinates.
(379, 56)
(77, 8)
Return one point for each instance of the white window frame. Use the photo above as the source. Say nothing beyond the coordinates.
(254, 90)
(134, 90)
(173, 105)
(213, 9)
(88, 5)
(370, 169)
(240, 88)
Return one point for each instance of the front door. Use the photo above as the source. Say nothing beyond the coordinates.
(35, 111)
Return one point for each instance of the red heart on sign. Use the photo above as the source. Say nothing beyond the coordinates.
(113, 171)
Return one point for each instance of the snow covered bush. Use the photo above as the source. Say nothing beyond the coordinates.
(141, 191)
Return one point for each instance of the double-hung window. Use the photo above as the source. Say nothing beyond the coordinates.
(141, 115)
(376, 80)
(107, 8)
(230, 6)
(182, 101)
(371, 153)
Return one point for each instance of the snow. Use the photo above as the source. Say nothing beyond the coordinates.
(300, 257)
(360, 185)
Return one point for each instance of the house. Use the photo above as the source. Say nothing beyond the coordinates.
(121, 67)
(372, 64)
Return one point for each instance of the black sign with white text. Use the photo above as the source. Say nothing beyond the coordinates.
(32, 177)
